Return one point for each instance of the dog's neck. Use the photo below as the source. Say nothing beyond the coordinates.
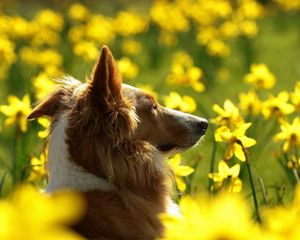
(63, 173)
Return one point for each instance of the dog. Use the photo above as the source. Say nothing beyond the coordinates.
(108, 140)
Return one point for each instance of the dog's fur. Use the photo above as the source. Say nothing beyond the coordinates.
(108, 140)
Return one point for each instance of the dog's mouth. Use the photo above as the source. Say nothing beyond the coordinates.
(166, 147)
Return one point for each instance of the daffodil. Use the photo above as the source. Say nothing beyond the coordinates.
(179, 171)
(78, 12)
(184, 73)
(227, 177)
(45, 123)
(225, 216)
(38, 166)
(260, 77)
(131, 47)
(250, 103)
(127, 68)
(228, 115)
(290, 134)
(294, 163)
(17, 111)
(29, 214)
(277, 106)
(295, 96)
(175, 101)
(235, 138)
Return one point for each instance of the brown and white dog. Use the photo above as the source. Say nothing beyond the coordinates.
(108, 141)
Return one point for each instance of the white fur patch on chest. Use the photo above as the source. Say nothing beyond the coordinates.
(63, 173)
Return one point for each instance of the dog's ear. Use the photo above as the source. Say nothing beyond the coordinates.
(48, 106)
(106, 82)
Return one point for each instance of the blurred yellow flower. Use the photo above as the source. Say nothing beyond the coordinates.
(277, 106)
(43, 58)
(295, 96)
(290, 134)
(294, 163)
(100, 29)
(250, 103)
(184, 73)
(260, 77)
(179, 171)
(218, 48)
(233, 138)
(7, 52)
(127, 68)
(281, 222)
(45, 123)
(168, 16)
(167, 38)
(248, 28)
(43, 84)
(185, 103)
(86, 49)
(229, 116)
(50, 19)
(131, 47)
(129, 23)
(38, 167)
(17, 111)
(29, 214)
(227, 177)
(222, 217)
(78, 12)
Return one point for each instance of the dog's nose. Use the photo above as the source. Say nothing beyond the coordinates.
(203, 124)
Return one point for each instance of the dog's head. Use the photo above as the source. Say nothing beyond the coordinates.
(104, 116)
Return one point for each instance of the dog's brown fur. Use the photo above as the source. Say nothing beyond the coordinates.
(105, 138)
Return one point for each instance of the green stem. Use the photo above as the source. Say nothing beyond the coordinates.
(251, 183)
(264, 192)
(212, 165)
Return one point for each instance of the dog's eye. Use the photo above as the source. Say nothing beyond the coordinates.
(153, 106)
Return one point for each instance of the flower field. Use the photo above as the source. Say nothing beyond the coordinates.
(233, 62)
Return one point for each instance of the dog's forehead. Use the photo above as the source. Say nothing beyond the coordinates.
(132, 93)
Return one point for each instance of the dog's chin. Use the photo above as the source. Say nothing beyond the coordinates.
(170, 149)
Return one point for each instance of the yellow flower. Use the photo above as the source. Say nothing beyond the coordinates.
(50, 19)
(290, 134)
(128, 23)
(224, 134)
(179, 171)
(218, 48)
(260, 76)
(168, 16)
(281, 222)
(38, 166)
(227, 177)
(44, 122)
(167, 38)
(131, 47)
(223, 217)
(229, 116)
(78, 12)
(185, 103)
(100, 29)
(43, 84)
(17, 111)
(250, 103)
(295, 96)
(277, 106)
(294, 163)
(86, 49)
(29, 214)
(184, 73)
(127, 68)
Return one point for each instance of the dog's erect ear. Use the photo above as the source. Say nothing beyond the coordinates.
(48, 106)
(106, 81)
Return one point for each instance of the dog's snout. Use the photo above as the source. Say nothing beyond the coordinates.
(203, 124)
